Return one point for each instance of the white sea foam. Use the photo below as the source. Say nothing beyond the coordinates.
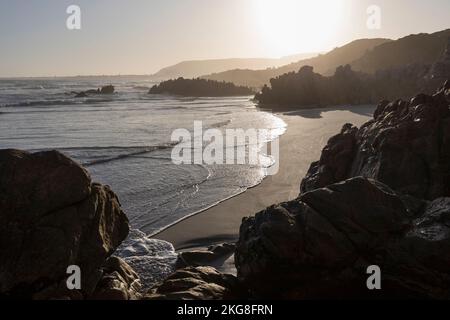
(152, 259)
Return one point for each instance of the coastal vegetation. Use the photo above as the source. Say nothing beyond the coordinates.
(307, 89)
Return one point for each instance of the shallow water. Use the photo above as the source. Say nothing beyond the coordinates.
(124, 140)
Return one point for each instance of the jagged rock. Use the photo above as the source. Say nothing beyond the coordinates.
(196, 283)
(52, 216)
(119, 282)
(81, 95)
(406, 146)
(107, 90)
(199, 88)
(337, 156)
(103, 90)
(320, 245)
(206, 257)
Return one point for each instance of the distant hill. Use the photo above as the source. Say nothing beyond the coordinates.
(197, 68)
(324, 64)
(199, 88)
(366, 55)
(420, 48)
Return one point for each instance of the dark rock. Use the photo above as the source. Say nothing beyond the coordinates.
(208, 257)
(119, 282)
(52, 216)
(107, 90)
(81, 95)
(335, 161)
(307, 89)
(196, 258)
(196, 283)
(320, 245)
(406, 146)
(199, 88)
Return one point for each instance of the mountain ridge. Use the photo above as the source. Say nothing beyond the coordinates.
(198, 68)
(364, 55)
(324, 64)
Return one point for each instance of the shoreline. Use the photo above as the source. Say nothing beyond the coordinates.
(156, 233)
(307, 133)
(161, 230)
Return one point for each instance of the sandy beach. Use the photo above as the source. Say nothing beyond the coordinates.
(307, 133)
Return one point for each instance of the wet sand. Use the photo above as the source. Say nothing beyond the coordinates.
(307, 133)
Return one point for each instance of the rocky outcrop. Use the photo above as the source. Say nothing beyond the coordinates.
(52, 216)
(199, 88)
(119, 282)
(320, 245)
(440, 70)
(196, 283)
(406, 146)
(105, 90)
(209, 257)
(379, 195)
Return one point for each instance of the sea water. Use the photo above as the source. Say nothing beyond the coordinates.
(124, 140)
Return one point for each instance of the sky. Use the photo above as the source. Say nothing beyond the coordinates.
(143, 36)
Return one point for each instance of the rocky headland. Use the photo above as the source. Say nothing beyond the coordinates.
(308, 89)
(379, 195)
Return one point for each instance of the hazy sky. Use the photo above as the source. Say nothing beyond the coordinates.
(142, 36)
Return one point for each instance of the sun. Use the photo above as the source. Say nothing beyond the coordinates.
(293, 26)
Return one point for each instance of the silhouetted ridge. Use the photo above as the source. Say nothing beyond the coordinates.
(364, 55)
(324, 64)
(347, 87)
(419, 48)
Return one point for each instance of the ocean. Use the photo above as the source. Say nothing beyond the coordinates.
(124, 140)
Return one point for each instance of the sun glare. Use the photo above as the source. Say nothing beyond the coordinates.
(293, 26)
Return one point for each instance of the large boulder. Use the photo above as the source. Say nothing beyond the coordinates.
(320, 245)
(119, 282)
(406, 146)
(196, 283)
(53, 216)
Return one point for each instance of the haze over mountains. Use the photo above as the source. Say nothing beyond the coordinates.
(325, 64)
(365, 55)
(389, 72)
(419, 48)
(198, 68)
